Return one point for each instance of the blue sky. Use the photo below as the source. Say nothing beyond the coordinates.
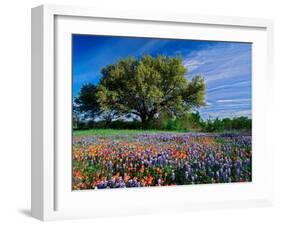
(226, 66)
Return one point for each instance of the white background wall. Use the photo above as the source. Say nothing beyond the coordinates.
(15, 111)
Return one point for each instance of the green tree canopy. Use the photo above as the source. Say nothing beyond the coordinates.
(148, 86)
(86, 102)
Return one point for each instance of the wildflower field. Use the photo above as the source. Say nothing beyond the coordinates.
(119, 159)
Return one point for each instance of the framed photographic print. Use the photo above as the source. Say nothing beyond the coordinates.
(137, 112)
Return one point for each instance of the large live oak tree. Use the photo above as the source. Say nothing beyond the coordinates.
(148, 86)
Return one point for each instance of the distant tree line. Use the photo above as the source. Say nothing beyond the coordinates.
(189, 122)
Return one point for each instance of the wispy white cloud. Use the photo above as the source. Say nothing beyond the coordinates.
(192, 64)
(234, 100)
(220, 62)
(231, 114)
(227, 72)
(229, 86)
(151, 45)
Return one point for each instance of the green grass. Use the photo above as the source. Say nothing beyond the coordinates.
(106, 132)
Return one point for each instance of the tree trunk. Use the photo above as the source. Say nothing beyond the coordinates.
(146, 122)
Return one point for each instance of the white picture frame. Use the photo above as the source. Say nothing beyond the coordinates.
(52, 198)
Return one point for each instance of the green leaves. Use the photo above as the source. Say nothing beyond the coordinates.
(86, 102)
(148, 86)
(194, 94)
